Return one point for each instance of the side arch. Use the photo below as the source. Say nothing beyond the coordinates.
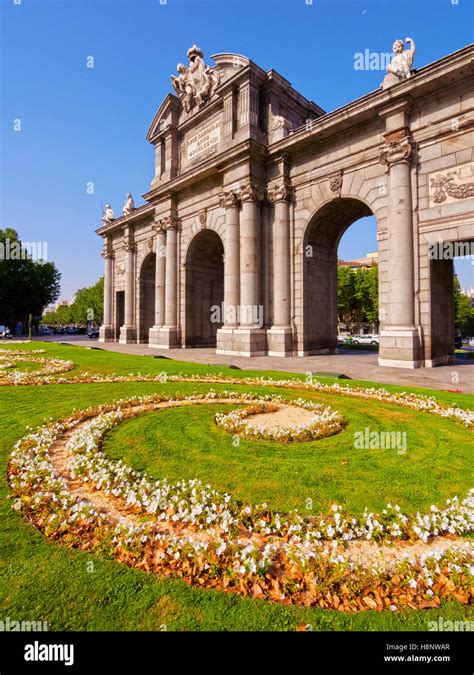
(147, 296)
(204, 289)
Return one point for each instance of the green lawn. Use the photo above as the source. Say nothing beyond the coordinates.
(186, 443)
(40, 580)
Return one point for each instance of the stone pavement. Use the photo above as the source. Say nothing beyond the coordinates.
(356, 365)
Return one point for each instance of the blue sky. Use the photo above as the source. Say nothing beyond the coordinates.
(82, 124)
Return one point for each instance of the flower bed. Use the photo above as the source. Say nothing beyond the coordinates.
(324, 422)
(429, 404)
(10, 359)
(192, 531)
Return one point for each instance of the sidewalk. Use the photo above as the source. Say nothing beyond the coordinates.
(356, 365)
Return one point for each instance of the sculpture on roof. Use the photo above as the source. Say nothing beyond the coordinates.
(108, 216)
(195, 83)
(129, 205)
(400, 67)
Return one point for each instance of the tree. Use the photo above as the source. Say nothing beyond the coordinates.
(367, 294)
(463, 312)
(345, 294)
(88, 305)
(27, 286)
(357, 295)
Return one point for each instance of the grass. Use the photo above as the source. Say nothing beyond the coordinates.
(185, 443)
(40, 580)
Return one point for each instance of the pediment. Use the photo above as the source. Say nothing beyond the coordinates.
(164, 117)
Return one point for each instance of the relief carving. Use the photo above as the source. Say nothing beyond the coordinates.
(445, 186)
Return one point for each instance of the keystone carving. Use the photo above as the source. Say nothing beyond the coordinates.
(335, 183)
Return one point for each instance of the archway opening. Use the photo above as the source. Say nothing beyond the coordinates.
(451, 327)
(204, 289)
(325, 314)
(147, 297)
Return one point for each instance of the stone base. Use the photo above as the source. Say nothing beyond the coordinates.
(280, 341)
(241, 341)
(127, 335)
(447, 360)
(163, 337)
(400, 348)
(106, 334)
(324, 351)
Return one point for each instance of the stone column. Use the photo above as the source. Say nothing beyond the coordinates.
(230, 202)
(171, 274)
(106, 330)
(128, 331)
(400, 339)
(280, 335)
(251, 336)
(160, 285)
(231, 261)
(165, 333)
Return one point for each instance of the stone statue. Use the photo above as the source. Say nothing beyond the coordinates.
(129, 205)
(400, 67)
(195, 84)
(108, 216)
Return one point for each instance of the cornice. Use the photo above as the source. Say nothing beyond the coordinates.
(367, 107)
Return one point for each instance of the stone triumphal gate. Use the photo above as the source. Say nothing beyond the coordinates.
(254, 185)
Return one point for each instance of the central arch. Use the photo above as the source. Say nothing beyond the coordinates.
(204, 289)
(320, 244)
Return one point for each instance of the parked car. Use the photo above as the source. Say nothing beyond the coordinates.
(5, 333)
(94, 333)
(342, 339)
(457, 342)
(365, 339)
(471, 342)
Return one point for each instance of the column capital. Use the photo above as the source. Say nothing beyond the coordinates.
(107, 252)
(251, 192)
(169, 223)
(129, 246)
(398, 150)
(280, 192)
(229, 199)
